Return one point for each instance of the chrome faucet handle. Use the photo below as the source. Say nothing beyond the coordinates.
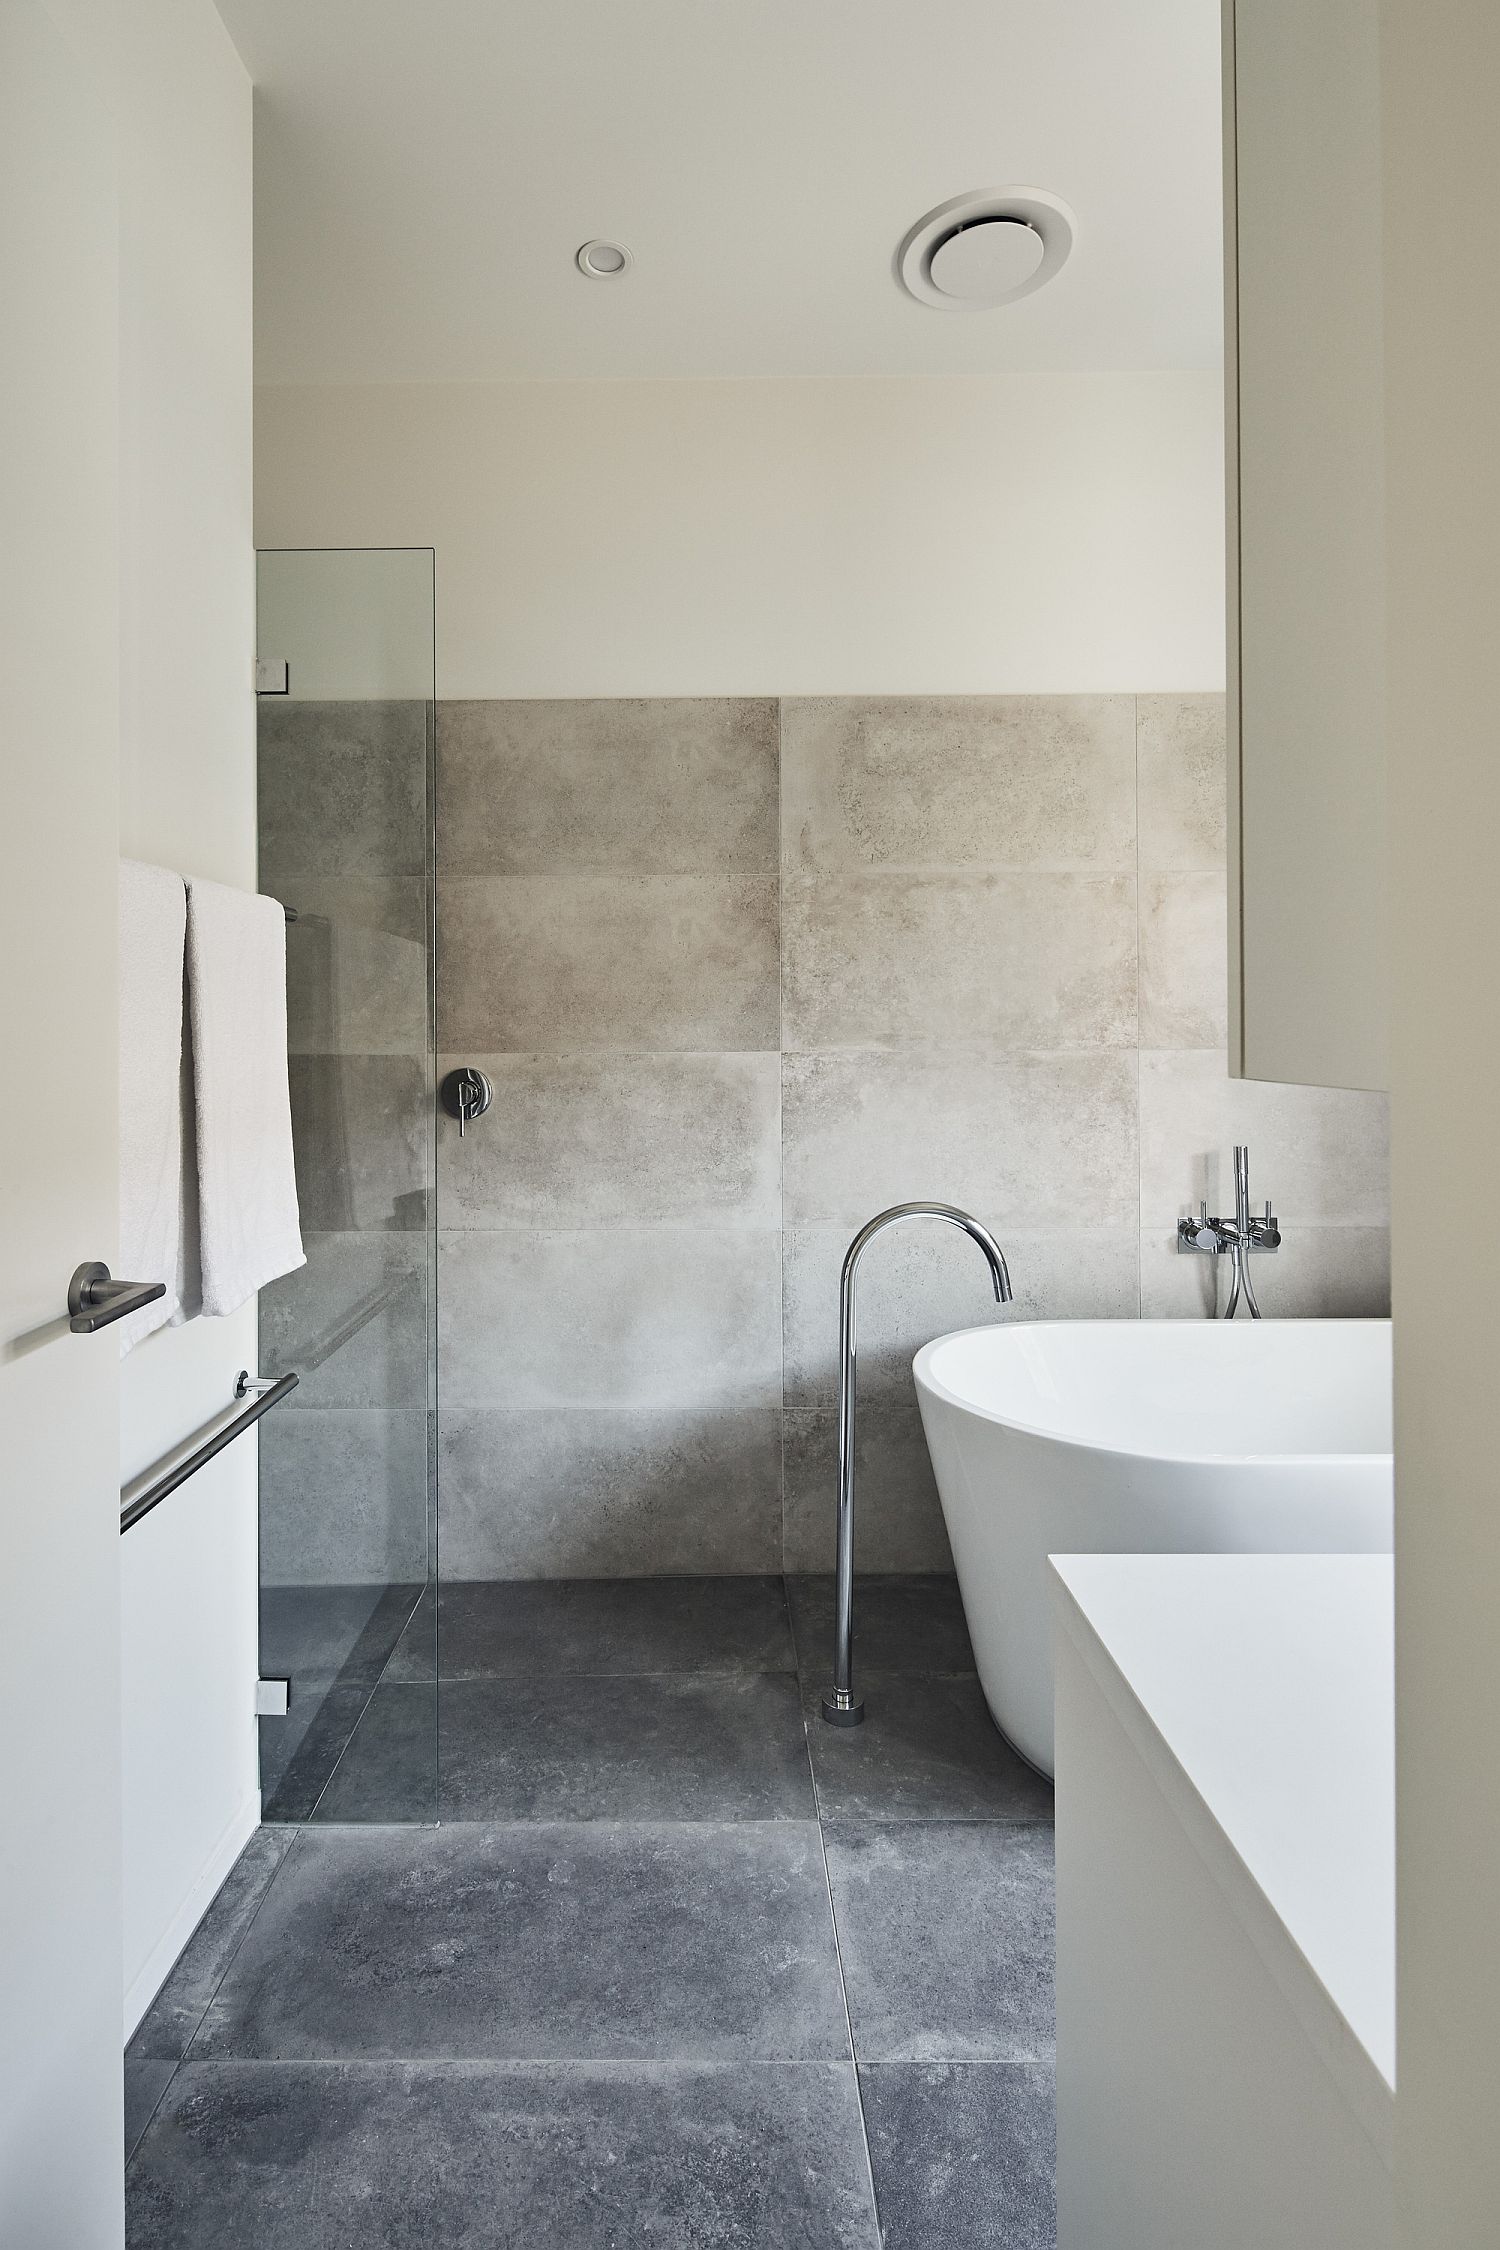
(1202, 1233)
(1265, 1233)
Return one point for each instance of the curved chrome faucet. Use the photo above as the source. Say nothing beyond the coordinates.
(842, 1707)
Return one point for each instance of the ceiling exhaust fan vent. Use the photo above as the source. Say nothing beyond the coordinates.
(986, 248)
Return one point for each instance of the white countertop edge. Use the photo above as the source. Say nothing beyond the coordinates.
(1359, 2078)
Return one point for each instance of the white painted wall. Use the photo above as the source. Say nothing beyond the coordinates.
(189, 1573)
(350, 626)
(1050, 533)
(60, 2124)
(1440, 64)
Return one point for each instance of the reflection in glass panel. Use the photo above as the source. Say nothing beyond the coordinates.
(346, 1475)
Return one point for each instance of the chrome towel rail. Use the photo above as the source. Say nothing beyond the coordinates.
(252, 1400)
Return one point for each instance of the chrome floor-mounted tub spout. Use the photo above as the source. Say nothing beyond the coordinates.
(841, 1706)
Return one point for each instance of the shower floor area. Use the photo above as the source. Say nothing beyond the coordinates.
(678, 1963)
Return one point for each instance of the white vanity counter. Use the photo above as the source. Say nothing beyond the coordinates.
(1226, 1912)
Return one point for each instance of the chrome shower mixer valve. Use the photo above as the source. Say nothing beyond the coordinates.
(1234, 1238)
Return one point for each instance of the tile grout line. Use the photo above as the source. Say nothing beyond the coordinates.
(724, 2063)
(813, 1675)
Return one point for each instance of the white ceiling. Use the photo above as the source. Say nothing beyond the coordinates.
(427, 168)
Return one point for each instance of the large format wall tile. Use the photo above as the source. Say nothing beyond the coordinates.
(352, 1322)
(647, 1317)
(926, 1280)
(959, 781)
(356, 965)
(532, 963)
(898, 1519)
(1319, 1273)
(587, 1493)
(673, 786)
(987, 908)
(1007, 959)
(342, 789)
(618, 1139)
(1181, 782)
(1321, 1153)
(361, 1133)
(1034, 1139)
(1184, 961)
(343, 1496)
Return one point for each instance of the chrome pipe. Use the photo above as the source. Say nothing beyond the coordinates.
(841, 1707)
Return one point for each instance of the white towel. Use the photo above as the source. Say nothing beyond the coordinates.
(153, 916)
(248, 1229)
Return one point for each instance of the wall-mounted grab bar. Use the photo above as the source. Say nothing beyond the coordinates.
(147, 1492)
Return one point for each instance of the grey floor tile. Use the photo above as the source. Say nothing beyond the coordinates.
(928, 1750)
(964, 2154)
(175, 2014)
(529, 1628)
(331, 1643)
(146, 2081)
(484, 2156)
(946, 1938)
(665, 1746)
(388, 1769)
(292, 1785)
(909, 1623)
(328, 1633)
(599, 1941)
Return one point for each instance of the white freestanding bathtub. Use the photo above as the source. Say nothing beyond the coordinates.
(1143, 1437)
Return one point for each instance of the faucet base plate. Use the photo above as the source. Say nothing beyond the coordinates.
(842, 1708)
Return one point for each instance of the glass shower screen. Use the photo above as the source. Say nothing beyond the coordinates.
(347, 1485)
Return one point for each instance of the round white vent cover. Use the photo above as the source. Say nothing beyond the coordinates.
(986, 248)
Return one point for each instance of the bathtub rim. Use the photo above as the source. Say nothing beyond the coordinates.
(926, 1381)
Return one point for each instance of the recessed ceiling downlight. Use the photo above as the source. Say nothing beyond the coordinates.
(603, 261)
(986, 248)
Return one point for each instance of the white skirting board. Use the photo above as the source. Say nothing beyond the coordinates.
(174, 1938)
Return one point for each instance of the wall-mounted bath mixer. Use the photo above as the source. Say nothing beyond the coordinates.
(1234, 1238)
